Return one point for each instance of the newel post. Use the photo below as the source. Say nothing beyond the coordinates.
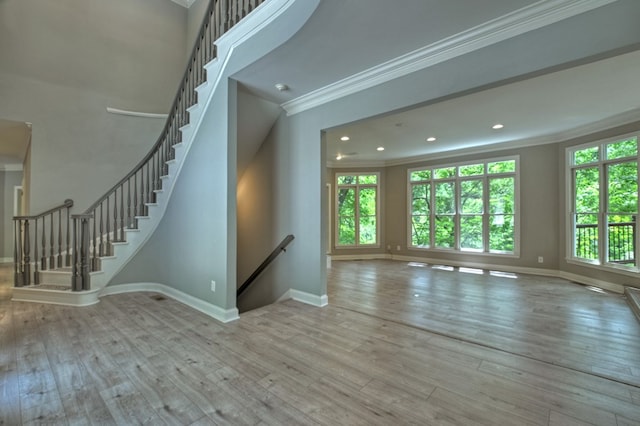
(26, 265)
(18, 265)
(81, 279)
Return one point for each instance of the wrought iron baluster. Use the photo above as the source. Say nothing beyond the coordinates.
(36, 278)
(115, 215)
(101, 237)
(68, 256)
(59, 258)
(122, 212)
(52, 259)
(147, 195)
(129, 203)
(134, 222)
(43, 258)
(93, 239)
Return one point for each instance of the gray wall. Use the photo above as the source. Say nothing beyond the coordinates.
(539, 185)
(535, 52)
(8, 179)
(63, 63)
(543, 210)
(197, 239)
(262, 221)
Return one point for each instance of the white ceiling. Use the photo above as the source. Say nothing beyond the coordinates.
(543, 109)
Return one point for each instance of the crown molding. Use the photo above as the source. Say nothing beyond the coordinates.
(10, 167)
(628, 117)
(535, 16)
(184, 3)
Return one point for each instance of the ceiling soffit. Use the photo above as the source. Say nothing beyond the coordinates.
(527, 19)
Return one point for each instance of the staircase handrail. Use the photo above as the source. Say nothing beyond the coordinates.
(68, 203)
(105, 222)
(281, 247)
(53, 251)
(205, 40)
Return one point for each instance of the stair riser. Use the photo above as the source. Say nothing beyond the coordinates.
(55, 277)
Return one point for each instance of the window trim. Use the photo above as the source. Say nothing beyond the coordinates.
(357, 244)
(485, 177)
(602, 214)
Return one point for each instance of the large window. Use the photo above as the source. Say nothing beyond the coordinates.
(466, 207)
(604, 202)
(357, 209)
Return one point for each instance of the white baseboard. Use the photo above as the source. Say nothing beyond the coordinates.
(581, 279)
(6, 259)
(308, 298)
(376, 256)
(207, 308)
(304, 297)
(616, 288)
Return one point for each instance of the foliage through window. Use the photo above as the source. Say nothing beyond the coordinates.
(357, 209)
(466, 207)
(604, 202)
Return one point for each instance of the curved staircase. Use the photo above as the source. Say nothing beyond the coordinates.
(108, 234)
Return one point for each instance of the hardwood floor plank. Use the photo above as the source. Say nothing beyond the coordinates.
(219, 407)
(559, 419)
(164, 396)
(127, 406)
(86, 406)
(553, 387)
(9, 375)
(469, 411)
(9, 396)
(545, 352)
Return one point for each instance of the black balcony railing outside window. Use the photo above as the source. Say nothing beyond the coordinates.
(621, 242)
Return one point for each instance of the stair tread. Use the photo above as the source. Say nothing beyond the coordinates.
(45, 286)
(65, 270)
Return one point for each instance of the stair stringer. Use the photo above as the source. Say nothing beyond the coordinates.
(216, 70)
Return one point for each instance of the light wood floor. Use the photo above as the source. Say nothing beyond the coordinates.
(395, 346)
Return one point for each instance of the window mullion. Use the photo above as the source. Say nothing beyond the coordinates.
(603, 228)
(432, 214)
(485, 214)
(457, 212)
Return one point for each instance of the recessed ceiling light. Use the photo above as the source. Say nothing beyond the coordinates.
(282, 87)
(338, 157)
(497, 126)
(431, 139)
(344, 138)
(380, 148)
